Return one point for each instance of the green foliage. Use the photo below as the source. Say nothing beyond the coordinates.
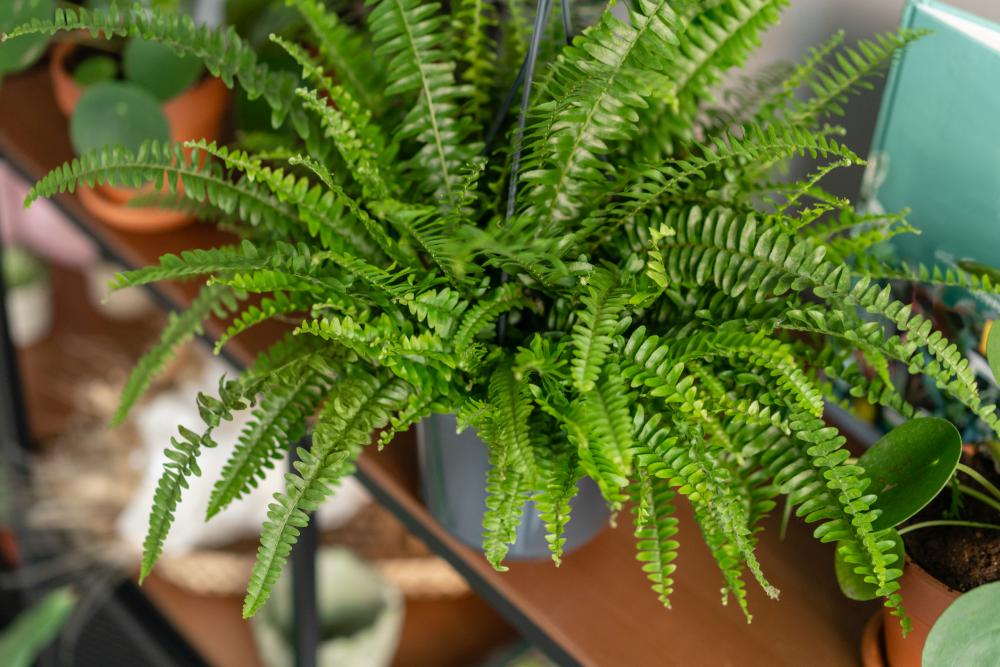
(95, 69)
(358, 405)
(993, 349)
(31, 631)
(181, 327)
(909, 466)
(659, 314)
(18, 55)
(113, 113)
(967, 631)
(158, 69)
(409, 34)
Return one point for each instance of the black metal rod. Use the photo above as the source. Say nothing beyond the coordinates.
(305, 621)
(504, 109)
(541, 18)
(566, 21)
(13, 410)
(528, 68)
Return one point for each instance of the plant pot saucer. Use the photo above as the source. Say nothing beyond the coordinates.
(872, 645)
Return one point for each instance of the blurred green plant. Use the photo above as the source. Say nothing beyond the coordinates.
(33, 630)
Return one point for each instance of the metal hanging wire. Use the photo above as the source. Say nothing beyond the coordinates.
(524, 80)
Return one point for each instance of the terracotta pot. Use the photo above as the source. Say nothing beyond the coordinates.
(145, 220)
(197, 113)
(872, 644)
(194, 114)
(925, 599)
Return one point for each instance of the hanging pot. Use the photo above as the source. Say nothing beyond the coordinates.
(454, 467)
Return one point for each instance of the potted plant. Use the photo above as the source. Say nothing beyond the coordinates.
(18, 55)
(967, 632)
(939, 502)
(360, 614)
(126, 92)
(28, 296)
(618, 291)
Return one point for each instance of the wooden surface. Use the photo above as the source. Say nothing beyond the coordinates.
(597, 606)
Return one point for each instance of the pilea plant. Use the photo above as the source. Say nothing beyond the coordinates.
(608, 283)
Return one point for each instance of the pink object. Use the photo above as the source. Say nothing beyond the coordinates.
(42, 229)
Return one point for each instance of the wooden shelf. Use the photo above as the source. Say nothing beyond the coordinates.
(597, 608)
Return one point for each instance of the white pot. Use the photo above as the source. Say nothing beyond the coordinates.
(351, 597)
(29, 312)
(131, 303)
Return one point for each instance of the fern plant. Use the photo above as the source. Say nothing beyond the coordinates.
(621, 289)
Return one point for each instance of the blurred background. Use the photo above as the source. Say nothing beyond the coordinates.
(384, 597)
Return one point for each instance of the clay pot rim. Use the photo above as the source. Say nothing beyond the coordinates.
(137, 220)
(934, 581)
(63, 49)
(873, 643)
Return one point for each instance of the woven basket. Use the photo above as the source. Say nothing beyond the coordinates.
(84, 479)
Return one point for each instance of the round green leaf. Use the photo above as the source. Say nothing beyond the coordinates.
(94, 70)
(909, 466)
(852, 584)
(20, 53)
(968, 632)
(993, 349)
(114, 113)
(158, 69)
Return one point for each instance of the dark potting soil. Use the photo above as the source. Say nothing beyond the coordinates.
(962, 558)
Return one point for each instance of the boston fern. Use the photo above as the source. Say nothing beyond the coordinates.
(642, 303)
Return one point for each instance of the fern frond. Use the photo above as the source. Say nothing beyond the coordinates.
(281, 303)
(359, 404)
(441, 309)
(716, 37)
(470, 21)
(598, 320)
(853, 71)
(407, 32)
(224, 53)
(558, 474)
(322, 211)
(655, 528)
(358, 140)
(278, 423)
(166, 166)
(800, 73)
(598, 83)
(182, 463)
(181, 327)
(483, 315)
(345, 53)
(650, 185)
(813, 471)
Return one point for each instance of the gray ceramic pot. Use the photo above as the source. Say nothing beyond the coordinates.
(454, 467)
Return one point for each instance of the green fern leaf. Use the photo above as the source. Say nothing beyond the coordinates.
(180, 328)
(359, 405)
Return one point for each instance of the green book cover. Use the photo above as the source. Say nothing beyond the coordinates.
(937, 144)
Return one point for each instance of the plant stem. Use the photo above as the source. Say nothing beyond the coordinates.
(946, 522)
(980, 496)
(985, 483)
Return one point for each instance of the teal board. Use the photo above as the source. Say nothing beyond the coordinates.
(937, 145)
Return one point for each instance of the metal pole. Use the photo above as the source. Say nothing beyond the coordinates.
(12, 412)
(305, 622)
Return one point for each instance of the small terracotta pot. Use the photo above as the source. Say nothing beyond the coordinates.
(197, 113)
(925, 599)
(144, 220)
(872, 644)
